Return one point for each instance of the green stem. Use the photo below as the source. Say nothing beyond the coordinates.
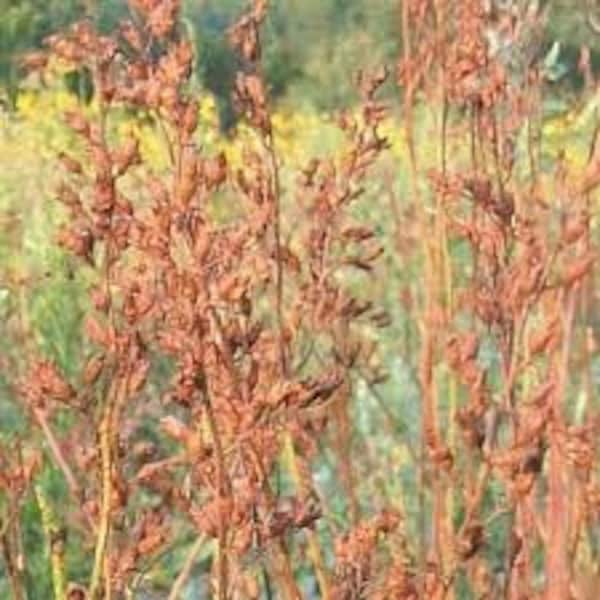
(53, 535)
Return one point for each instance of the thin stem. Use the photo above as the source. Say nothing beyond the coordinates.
(105, 449)
(223, 489)
(63, 465)
(55, 543)
(269, 143)
(15, 581)
(314, 547)
(558, 515)
(186, 571)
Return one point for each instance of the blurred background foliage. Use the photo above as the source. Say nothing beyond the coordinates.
(312, 50)
(311, 46)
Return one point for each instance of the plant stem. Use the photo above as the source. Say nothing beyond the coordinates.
(187, 569)
(52, 533)
(314, 547)
(105, 436)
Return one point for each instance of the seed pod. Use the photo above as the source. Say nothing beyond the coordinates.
(139, 375)
(96, 332)
(132, 35)
(215, 171)
(190, 118)
(93, 369)
(545, 339)
(77, 122)
(70, 164)
(574, 229)
(127, 156)
(470, 542)
(578, 269)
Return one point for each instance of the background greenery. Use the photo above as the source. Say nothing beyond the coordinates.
(311, 46)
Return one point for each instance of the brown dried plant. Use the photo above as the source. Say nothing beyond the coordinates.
(254, 321)
(522, 295)
(254, 317)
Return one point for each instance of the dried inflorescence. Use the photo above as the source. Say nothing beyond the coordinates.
(358, 572)
(229, 304)
(236, 340)
(521, 297)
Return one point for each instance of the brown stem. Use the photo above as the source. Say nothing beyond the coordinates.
(281, 558)
(223, 490)
(15, 580)
(269, 143)
(106, 433)
(63, 465)
(314, 547)
(558, 514)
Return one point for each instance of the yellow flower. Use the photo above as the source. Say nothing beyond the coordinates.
(63, 101)
(207, 111)
(27, 105)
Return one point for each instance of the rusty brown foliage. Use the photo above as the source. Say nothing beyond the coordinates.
(264, 336)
